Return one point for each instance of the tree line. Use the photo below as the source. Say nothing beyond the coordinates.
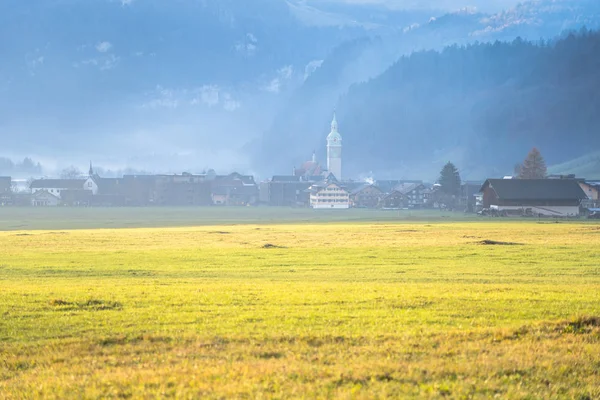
(25, 168)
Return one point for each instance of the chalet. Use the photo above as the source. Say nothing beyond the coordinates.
(592, 191)
(328, 195)
(57, 186)
(366, 196)
(43, 198)
(406, 195)
(234, 190)
(395, 200)
(543, 197)
(414, 194)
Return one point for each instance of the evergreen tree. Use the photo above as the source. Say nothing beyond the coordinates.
(534, 166)
(450, 180)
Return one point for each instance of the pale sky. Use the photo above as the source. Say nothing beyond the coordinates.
(483, 5)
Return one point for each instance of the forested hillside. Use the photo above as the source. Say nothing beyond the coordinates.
(482, 106)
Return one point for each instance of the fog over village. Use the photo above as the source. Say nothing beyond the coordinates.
(250, 86)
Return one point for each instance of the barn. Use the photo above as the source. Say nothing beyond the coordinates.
(545, 197)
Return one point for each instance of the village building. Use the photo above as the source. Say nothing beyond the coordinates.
(287, 191)
(234, 190)
(57, 186)
(5, 190)
(395, 200)
(387, 186)
(328, 195)
(366, 196)
(5, 184)
(539, 197)
(43, 198)
(414, 194)
(469, 192)
(592, 191)
(182, 190)
(310, 169)
(404, 196)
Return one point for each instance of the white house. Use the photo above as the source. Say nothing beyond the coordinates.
(57, 186)
(43, 198)
(328, 196)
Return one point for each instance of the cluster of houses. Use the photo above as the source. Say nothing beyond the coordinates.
(146, 190)
(311, 185)
(556, 196)
(210, 189)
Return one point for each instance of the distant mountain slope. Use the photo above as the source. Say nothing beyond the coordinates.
(587, 166)
(303, 122)
(482, 106)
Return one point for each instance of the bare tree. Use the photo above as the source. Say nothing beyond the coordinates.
(71, 172)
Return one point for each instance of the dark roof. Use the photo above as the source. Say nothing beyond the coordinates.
(394, 193)
(536, 189)
(389, 185)
(406, 188)
(234, 176)
(240, 190)
(57, 184)
(108, 185)
(362, 187)
(285, 178)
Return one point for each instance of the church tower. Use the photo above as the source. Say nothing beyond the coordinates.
(334, 150)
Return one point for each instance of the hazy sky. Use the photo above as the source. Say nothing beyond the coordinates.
(484, 5)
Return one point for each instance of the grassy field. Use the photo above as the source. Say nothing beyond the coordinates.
(28, 218)
(271, 310)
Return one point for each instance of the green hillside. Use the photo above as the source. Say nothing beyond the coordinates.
(587, 166)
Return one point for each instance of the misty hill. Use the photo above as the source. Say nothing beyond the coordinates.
(304, 119)
(482, 106)
(93, 76)
(587, 166)
(187, 84)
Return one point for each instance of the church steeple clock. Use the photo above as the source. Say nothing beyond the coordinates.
(334, 150)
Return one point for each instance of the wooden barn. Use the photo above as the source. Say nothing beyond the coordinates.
(544, 197)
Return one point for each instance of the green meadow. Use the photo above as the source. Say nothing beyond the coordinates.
(373, 306)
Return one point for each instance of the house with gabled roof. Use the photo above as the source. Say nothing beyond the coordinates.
(328, 195)
(543, 197)
(43, 198)
(56, 186)
(405, 195)
(366, 195)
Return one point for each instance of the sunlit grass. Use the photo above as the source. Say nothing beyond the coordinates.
(369, 310)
